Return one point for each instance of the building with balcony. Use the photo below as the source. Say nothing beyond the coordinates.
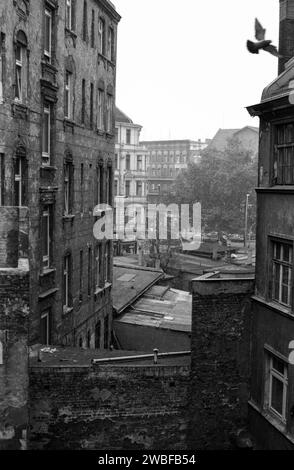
(57, 92)
(271, 406)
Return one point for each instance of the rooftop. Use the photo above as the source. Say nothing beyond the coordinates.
(161, 307)
(122, 117)
(130, 282)
(221, 138)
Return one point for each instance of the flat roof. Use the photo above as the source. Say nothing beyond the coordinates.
(130, 282)
(161, 307)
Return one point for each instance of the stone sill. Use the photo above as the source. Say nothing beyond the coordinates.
(274, 306)
(68, 218)
(71, 33)
(275, 422)
(48, 167)
(47, 272)
(67, 310)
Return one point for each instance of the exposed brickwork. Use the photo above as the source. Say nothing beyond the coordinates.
(220, 361)
(108, 407)
(71, 140)
(14, 313)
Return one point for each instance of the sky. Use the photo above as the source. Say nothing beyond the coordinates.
(183, 68)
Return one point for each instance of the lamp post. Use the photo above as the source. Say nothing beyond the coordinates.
(246, 220)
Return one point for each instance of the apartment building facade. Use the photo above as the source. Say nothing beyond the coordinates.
(271, 407)
(57, 92)
(131, 162)
(167, 158)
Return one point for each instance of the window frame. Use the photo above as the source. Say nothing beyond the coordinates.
(67, 281)
(271, 374)
(46, 258)
(47, 111)
(100, 113)
(274, 262)
(48, 53)
(68, 98)
(46, 314)
(19, 66)
(101, 36)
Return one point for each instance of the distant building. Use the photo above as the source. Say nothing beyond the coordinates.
(247, 137)
(57, 93)
(166, 159)
(130, 178)
(271, 407)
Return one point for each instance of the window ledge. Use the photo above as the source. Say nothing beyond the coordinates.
(47, 272)
(19, 110)
(274, 306)
(100, 132)
(71, 33)
(275, 422)
(105, 58)
(68, 218)
(48, 167)
(67, 310)
(68, 123)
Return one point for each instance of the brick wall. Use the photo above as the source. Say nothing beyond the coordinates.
(220, 370)
(108, 407)
(14, 310)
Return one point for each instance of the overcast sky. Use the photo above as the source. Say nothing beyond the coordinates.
(183, 67)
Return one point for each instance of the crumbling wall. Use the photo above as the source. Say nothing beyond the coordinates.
(108, 407)
(220, 369)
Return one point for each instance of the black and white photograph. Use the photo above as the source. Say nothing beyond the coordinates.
(146, 231)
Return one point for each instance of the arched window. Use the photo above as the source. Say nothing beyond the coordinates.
(20, 178)
(21, 67)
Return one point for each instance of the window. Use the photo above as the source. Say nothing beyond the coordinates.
(89, 271)
(20, 181)
(83, 101)
(98, 265)
(81, 274)
(115, 187)
(283, 168)
(127, 188)
(101, 36)
(139, 190)
(282, 272)
(97, 335)
(2, 64)
(19, 73)
(67, 281)
(93, 29)
(109, 185)
(110, 46)
(107, 262)
(48, 35)
(100, 117)
(88, 339)
(116, 135)
(109, 112)
(91, 105)
(2, 179)
(276, 386)
(68, 183)
(85, 22)
(106, 327)
(116, 161)
(46, 236)
(128, 136)
(82, 187)
(46, 136)
(70, 14)
(139, 163)
(128, 162)
(68, 101)
(45, 328)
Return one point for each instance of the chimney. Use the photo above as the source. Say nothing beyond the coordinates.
(286, 40)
